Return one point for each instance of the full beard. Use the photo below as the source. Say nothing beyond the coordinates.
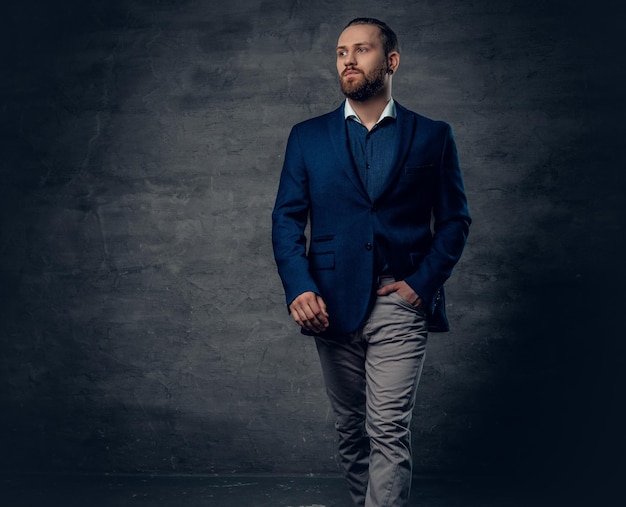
(371, 86)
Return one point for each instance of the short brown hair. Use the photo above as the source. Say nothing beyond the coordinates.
(387, 35)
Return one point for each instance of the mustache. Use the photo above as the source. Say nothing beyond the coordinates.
(351, 69)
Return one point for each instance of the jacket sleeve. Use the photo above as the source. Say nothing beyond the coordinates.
(289, 220)
(450, 228)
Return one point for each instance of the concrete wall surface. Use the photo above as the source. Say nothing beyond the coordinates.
(142, 324)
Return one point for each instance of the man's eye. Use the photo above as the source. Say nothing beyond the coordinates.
(361, 50)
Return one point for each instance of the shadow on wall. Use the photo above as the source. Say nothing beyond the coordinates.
(549, 411)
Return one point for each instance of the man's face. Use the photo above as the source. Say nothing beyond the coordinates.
(361, 62)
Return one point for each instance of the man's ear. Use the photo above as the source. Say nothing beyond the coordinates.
(393, 61)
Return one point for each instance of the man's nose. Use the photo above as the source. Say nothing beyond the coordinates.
(349, 60)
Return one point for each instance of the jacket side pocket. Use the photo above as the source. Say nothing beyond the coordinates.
(322, 260)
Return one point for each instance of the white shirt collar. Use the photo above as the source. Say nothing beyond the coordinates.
(388, 112)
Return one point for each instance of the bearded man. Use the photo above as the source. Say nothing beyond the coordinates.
(382, 191)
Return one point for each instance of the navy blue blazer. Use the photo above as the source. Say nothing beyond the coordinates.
(420, 220)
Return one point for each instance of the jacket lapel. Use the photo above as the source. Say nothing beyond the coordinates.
(404, 137)
(339, 140)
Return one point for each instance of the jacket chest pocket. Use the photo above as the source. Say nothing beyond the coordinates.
(415, 171)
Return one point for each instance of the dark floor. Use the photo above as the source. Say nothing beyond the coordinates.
(248, 491)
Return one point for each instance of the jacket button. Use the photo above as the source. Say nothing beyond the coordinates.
(368, 246)
(374, 209)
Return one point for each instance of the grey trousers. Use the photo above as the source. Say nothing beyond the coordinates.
(371, 378)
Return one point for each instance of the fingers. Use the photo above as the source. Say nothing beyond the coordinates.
(404, 290)
(309, 311)
(388, 289)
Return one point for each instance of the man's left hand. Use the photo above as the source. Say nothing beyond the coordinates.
(404, 291)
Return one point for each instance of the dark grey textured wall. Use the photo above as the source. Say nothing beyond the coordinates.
(142, 322)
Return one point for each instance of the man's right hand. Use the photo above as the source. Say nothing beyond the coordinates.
(309, 311)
